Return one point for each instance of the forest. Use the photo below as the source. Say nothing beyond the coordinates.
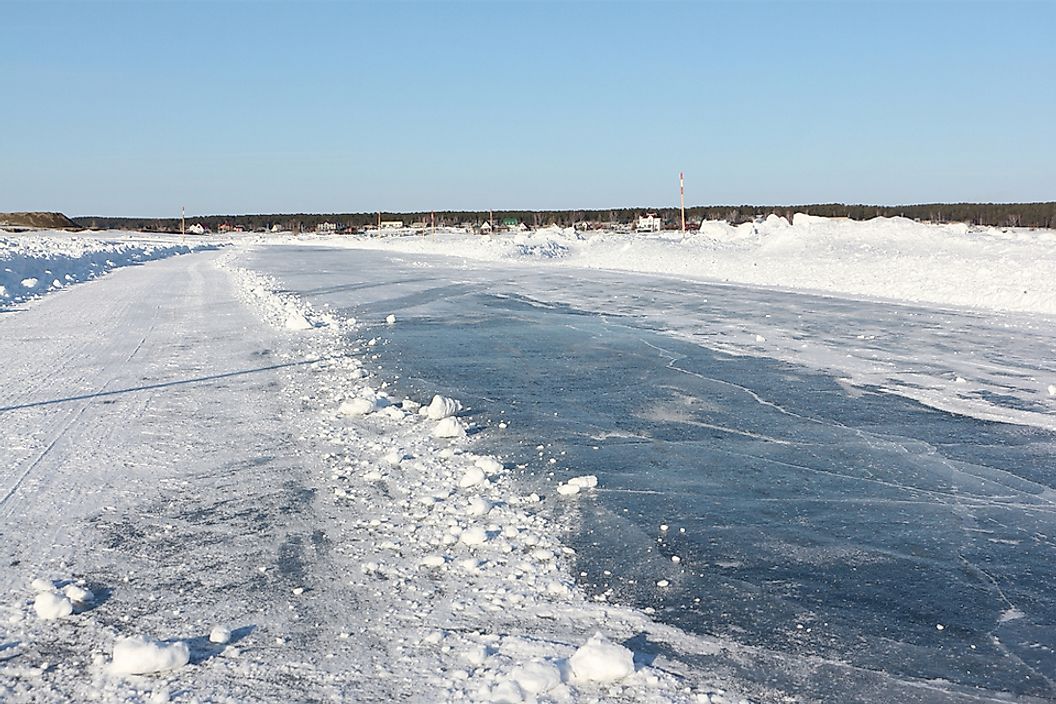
(1040, 215)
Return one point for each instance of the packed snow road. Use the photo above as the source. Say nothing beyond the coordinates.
(147, 454)
(766, 474)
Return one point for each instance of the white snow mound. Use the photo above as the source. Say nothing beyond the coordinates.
(601, 660)
(138, 655)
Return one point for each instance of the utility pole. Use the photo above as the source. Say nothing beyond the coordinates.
(682, 199)
(433, 215)
(183, 213)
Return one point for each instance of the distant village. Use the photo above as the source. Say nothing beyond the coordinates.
(647, 222)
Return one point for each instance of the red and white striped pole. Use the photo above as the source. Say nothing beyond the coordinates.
(682, 198)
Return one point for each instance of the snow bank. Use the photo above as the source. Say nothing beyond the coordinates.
(32, 264)
(887, 258)
(138, 656)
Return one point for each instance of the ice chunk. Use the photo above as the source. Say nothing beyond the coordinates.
(442, 407)
(391, 319)
(51, 605)
(601, 660)
(138, 655)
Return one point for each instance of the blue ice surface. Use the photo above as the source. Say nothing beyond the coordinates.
(836, 532)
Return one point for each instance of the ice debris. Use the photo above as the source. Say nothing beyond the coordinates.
(138, 655)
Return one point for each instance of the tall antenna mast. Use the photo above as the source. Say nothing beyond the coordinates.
(682, 199)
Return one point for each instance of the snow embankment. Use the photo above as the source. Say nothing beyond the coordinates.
(887, 258)
(32, 264)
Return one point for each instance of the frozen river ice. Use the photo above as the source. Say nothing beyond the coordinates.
(838, 527)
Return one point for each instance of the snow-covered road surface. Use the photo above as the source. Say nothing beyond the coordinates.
(147, 451)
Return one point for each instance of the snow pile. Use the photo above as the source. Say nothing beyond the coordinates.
(601, 660)
(888, 258)
(34, 263)
(138, 656)
(59, 599)
(441, 407)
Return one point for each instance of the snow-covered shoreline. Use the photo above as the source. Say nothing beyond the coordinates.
(475, 578)
(35, 263)
(891, 259)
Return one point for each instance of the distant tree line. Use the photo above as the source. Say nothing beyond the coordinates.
(993, 214)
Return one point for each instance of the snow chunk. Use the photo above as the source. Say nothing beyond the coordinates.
(601, 660)
(472, 477)
(449, 427)
(391, 320)
(78, 595)
(296, 321)
(220, 634)
(51, 605)
(356, 407)
(442, 407)
(29, 282)
(42, 585)
(537, 677)
(474, 536)
(576, 484)
(138, 655)
(489, 465)
(478, 506)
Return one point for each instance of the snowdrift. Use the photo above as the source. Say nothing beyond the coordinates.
(32, 264)
(886, 258)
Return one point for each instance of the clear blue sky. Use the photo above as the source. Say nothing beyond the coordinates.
(137, 108)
